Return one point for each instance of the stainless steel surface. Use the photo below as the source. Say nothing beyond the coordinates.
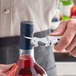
(46, 41)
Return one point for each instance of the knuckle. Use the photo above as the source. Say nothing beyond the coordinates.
(62, 22)
(65, 41)
(70, 20)
(72, 24)
(56, 48)
(67, 49)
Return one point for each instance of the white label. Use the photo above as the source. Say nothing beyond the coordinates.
(66, 10)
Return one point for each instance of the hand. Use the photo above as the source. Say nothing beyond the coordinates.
(66, 29)
(74, 2)
(4, 68)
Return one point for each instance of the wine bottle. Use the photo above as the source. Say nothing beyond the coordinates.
(67, 4)
(26, 64)
(73, 12)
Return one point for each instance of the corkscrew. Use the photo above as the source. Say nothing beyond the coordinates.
(45, 41)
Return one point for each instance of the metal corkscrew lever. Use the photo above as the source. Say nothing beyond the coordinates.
(45, 41)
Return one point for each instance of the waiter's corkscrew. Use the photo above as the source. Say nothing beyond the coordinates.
(45, 41)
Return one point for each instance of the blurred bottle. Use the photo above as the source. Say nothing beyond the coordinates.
(57, 16)
(67, 4)
(56, 20)
(73, 12)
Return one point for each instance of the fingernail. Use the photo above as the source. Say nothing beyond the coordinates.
(54, 33)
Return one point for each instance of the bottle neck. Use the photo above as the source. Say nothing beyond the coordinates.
(29, 53)
(26, 58)
(26, 47)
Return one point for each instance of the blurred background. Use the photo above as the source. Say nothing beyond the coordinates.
(66, 64)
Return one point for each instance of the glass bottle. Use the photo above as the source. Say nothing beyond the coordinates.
(66, 6)
(73, 12)
(26, 64)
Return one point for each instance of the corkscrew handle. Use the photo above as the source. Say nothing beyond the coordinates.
(54, 39)
(45, 41)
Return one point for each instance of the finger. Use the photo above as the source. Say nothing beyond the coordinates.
(73, 52)
(74, 2)
(1, 74)
(66, 39)
(4, 67)
(60, 29)
(72, 45)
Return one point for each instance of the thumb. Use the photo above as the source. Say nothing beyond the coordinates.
(1, 74)
(4, 67)
(60, 29)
